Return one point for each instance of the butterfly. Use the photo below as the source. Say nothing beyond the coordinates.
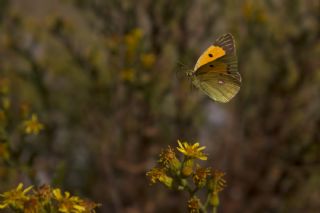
(216, 71)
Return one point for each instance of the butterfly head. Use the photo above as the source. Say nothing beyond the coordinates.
(189, 73)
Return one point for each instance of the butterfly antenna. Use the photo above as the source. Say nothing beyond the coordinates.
(181, 70)
(181, 64)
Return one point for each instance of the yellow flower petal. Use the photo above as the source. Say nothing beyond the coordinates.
(192, 150)
(57, 194)
(19, 187)
(79, 207)
(33, 125)
(2, 206)
(195, 145)
(27, 189)
(201, 148)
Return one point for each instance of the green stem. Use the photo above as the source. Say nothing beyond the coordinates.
(189, 189)
(207, 201)
(203, 209)
(214, 209)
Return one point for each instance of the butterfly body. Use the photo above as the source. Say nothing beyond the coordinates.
(216, 71)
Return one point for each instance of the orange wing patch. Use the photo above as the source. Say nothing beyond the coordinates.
(209, 55)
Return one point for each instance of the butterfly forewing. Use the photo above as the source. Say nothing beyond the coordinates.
(226, 65)
(209, 55)
(226, 42)
(221, 47)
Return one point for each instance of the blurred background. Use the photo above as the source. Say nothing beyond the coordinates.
(106, 78)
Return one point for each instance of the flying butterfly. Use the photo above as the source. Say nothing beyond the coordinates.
(216, 71)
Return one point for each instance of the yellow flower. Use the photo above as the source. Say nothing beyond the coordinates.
(200, 176)
(68, 203)
(42, 198)
(15, 197)
(169, 160)
(192, 151)
(132, 40)
(158, 174)
(148, 60)
(33, 126)
(194, 205)
(127, 75)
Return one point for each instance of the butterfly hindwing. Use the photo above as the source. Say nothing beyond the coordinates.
(226, 65)
(219, 87)
(216, 71)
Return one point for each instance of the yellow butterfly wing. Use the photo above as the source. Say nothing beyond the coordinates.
(216, 71)
(219, 87)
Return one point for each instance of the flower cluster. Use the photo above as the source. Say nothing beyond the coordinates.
(27, 121)
(33, 125)
(138, 61)
(30, 121)
(186, 175)
(44, 199)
